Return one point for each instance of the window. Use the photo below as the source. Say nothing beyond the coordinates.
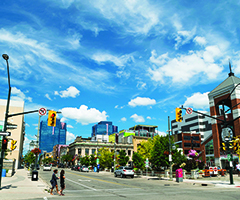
(86, 151)
(186, 144)
(195, 138)
(79, 151)
(186, 137)
(129, 152)
(93, 151)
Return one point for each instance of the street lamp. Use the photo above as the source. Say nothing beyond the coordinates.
(5, 57)
(227, 140)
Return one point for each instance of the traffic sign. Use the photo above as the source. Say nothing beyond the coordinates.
(189, 111)
(147, 163)
(5, 133)
(229, 157)
(97, 161)
(42, 111)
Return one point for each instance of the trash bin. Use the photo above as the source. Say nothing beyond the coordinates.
(35, 175)
(4, 173)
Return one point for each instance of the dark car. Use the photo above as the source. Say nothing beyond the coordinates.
(73, 167)
(60, 165)
(78, 168)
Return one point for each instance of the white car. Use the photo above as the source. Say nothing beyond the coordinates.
(47, 167)
(84, 169)
(124, 171)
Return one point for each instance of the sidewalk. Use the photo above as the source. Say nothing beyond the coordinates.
(219, 181)
(20, 186)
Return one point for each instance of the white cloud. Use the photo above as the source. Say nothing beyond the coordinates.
(69, 126)
(197, 101)
(106, 57)
(74, 40)
(141, 101)
(200, 40)
(148, 117)
(63, 119)
(26, 124)
(84, 115)
(192, 67)
(123, 119)
(18, 95)
(137, 118)
(48, 97)
(70, 137)
(160, 133)
(69, 92)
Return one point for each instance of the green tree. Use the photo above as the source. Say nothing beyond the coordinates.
(138, 160)
(47, 160)
(93, 161)
(67, 158)
(105, 158)
(123, 159)
(29, 158)
(145, 148)
(85, 161)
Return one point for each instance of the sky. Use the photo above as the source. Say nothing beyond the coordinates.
(126, 61)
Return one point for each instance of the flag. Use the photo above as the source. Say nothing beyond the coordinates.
(53, 130)
(107, 129)
(63, 124)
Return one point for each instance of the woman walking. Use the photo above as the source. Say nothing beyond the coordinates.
(62, 180)
(54, 182)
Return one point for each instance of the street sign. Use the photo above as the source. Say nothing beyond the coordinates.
(189, 111)
(97, 161)
(147, 163)
(42, 111)
(229, 157)
(170, 157)
(5, 133)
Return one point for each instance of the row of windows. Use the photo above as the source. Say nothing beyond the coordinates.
(94, 150)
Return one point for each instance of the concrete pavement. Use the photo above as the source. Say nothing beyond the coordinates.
(20, 186)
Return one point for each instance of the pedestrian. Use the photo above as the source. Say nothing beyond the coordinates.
(62, 180)
(54, 182)
(238, 168)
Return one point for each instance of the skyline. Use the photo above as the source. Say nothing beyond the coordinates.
(128, 62)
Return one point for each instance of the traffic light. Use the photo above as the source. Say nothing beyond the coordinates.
(116, 138)
(233, 146)
(13, 145)
(179, 115)
(4, 143)
(52, 118)
(223, 146)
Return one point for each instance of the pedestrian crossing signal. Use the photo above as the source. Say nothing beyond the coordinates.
(179, 115)
(52, 118)
(13, 145)
(223, 146)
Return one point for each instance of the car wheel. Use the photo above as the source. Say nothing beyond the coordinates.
(132, 176)
(115, 175)
(121, 176)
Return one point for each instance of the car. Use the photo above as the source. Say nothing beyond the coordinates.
(47, 167)
(77, 168)
(124, 171)
(60, 165)
(84, 169)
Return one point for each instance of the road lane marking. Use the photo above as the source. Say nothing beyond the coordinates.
(103, 180)
(80, 184)
(83, 180)
(124, 189)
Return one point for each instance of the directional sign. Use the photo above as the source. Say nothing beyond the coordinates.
(229, 157)
(5, 133)
(42, 111)
(189, 111)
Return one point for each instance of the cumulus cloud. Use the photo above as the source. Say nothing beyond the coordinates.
(18, 95)
(69, 92)
(200, 40)
(70, 137)
(142, 101)
(84, 115)
(160, 133)
(69, 126)
(185, 68)
(123, 119)
(148, 117)
(137, 118)
(197, 101)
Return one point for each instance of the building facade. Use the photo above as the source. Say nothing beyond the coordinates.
(17, 128)
(104, 128)
(50, 136)
(195, 123)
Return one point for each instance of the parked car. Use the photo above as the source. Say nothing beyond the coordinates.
(47, 167)
(124, 171)
(73, 167)
(78, 168)
(84, 169)
(60, 165)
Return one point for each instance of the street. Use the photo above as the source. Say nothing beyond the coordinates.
(104, 185)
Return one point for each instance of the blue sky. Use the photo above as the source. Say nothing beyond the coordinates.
(130, 62)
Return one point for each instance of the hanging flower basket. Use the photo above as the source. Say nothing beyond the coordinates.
(192, 153)
(36, 151)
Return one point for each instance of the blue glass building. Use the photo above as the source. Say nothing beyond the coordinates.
(104, 128)
(50, 136)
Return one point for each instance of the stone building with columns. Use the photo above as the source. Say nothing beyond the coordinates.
(84, 146)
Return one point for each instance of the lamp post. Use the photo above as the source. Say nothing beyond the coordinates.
(5, 57)
(227, 140)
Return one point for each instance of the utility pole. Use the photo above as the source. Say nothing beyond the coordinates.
(170, 151)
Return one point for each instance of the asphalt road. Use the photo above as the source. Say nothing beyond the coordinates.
(104, 186)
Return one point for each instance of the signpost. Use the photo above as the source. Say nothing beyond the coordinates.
(42, 111)
(189, 111)
(5, 133)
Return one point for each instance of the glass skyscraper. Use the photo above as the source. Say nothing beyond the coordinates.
(50, 136)
(104, 128)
